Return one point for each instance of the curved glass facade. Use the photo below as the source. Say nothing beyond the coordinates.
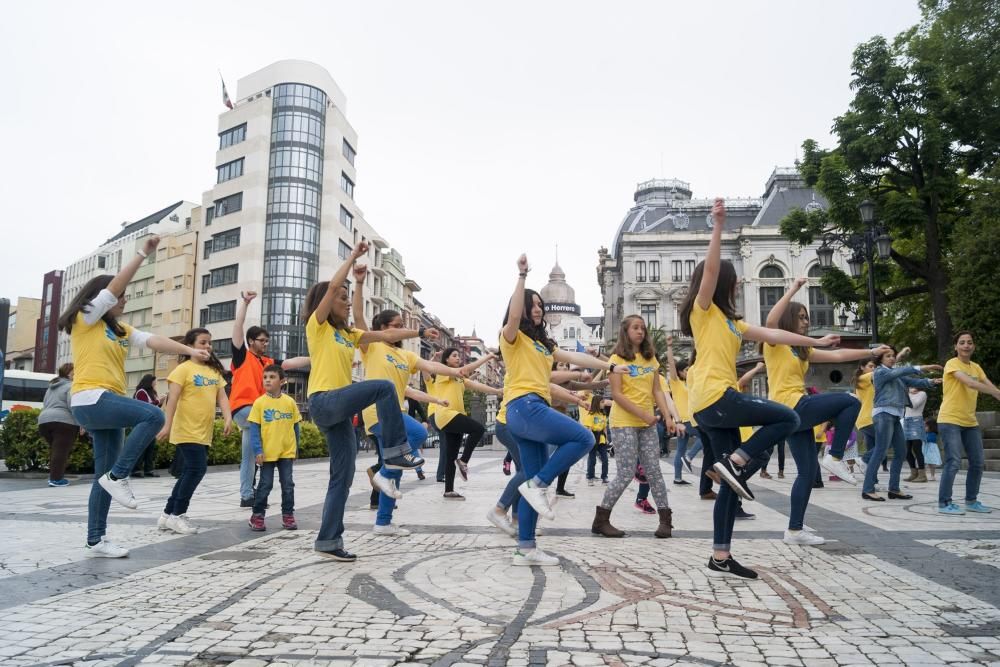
(294, 194)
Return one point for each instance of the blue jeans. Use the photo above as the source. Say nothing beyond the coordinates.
(535, 426)
(888, 432)
(843, 410)
(690, 437)
(266, 483)
(600, 451)
(416, 436)
(106, 422)
(955, 438)
(248, 460)
(510, 496)
(195, 465)
(332, 412)
(720, 424)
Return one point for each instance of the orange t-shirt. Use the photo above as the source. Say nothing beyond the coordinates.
(248, 377)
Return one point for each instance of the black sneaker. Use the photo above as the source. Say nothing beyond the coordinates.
(818, 485)
(344, 556)
(729, 568)
(421, 476)
(246, 502)
(563, 493)
(404, 462)
(682, 482)
(687, 464)
(743, 514)
(734, 477)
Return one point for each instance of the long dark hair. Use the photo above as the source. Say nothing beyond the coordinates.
(447, 353)
(313, 297)
(789, 321)
(148, 384)
(535, 332)
(859, 371)
(624, 347)
(81, 303)
(595, 402)
(213, 361)
(724, 297)
(381, 321)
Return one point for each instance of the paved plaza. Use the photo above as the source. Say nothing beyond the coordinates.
(896, 584)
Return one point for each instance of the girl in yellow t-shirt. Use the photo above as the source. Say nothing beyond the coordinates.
(637, 395)
(593, 418)
(100, 343)
(958, 427)
(528, 352)
(195, 388)
(334, 399)
(786, 368)
(709, 315)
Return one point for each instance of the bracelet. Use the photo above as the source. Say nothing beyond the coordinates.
(523, 275)
(421, 331)
(141, 253)
(611, 368)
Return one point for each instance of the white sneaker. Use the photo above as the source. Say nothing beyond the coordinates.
(803, 537)
(161, 523)
(838, 468)
(181, 525)
(120, 490)
(537, 498)
(533, 557)
(501, 522)
(391, 529)
(860, 463)
(105, 549)
(387, 486)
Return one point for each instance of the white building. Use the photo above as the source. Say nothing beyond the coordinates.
(562, 314)
(282, 213)
(109, 256)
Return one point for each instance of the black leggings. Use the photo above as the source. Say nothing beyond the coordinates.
(915, 454)
(454, 431)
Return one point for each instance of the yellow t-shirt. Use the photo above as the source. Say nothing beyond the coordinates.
(717, 340)
(386, 362)
(194, 418)
(958, 406)
(450, 389)
(866, 394)
(277, 418)
(529, 368)
(595, 421)
(98, 356)
(637, 386)
(745, 433)
(819, 433)
(331, 352)
(679, 392)
(786, 374)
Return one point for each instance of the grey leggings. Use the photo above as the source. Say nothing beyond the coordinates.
(631, 444)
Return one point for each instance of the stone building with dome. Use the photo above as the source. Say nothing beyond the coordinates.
(562, 314)
(666, 233)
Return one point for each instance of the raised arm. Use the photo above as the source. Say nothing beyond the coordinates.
(840, 356)
(985, 386)
(166, 345)
(782, 337)
(584, 360)
(120, 282)
(395, 335)
(423, 397)
(322, 311)
(296, 364)
(360, 272)
(239, 330)
(483, 388)
(779, 308)
(747, 377)
(437, 368)
(516, 308)
(472, 367)
(713, 258)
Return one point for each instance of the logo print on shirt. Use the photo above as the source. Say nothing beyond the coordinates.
(401, 365)
(273, 415)
(202, 381)
(732, 327)
(109, 333)
(638, 371)
(338, 337)
(541, 348)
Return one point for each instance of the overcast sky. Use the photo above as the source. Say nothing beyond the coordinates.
(485, 130)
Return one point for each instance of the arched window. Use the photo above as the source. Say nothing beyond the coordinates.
(820, 308)
(770, 295)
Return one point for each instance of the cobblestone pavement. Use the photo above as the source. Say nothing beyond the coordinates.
(896, 584)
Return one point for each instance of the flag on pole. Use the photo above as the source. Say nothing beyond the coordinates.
(580, 347)
(225, 93)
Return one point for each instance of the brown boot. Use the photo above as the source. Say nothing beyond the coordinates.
(666, 524)
(921, 476)
(913, 476)
(602, 524)
(714, 476)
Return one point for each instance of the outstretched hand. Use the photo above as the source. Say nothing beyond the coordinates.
(830, 340)
(799, 283)
(200, 355)
(359, 249)
(248, 296)
(719, 211)
(360, 272)
(150, 245)
(931, 368)
(522, 263)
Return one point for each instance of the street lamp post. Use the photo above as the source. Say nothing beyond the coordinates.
(874, 239)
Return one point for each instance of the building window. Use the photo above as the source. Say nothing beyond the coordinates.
(654, 271)
(226, 275)
(343, 250)
(229, 171)
(223, 347)
(218, 312)
(640, 272)
(648, 313)
(209, 215)
(208, 249)
(102, 261)
(349, 152)
(346, 219)
(820, 306)
(769, 296)
(347, 185)
(228, 205)
(232, 136)
(676, 271)
(688, 268)
(222, 241)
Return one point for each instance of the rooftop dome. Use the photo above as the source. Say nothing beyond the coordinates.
(557, 290)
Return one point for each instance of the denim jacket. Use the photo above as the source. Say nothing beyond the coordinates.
(892, 386)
